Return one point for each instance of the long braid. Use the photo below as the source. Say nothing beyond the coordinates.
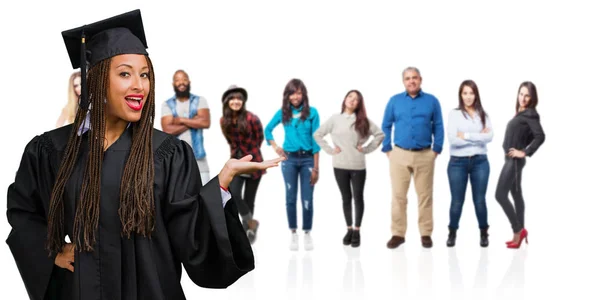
(137, 195)
(137, 198)
(56, 233)
(87, 214)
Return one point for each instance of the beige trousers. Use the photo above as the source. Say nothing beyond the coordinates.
(403, 165)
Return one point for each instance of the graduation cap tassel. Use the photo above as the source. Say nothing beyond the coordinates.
(83, 103)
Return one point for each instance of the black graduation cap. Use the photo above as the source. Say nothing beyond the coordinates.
(90, 44)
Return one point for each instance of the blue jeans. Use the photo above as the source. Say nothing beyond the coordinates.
(460, 170)
(294, 167)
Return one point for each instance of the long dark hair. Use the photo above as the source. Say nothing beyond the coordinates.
(533, 96)
(476, 103)
(229, 115)
(136, 209)
(290, 88)
(361, 125)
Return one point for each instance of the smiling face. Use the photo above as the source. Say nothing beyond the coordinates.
(296, 98)
(524, 97)
(181, 84)
(129, 86)
(235, 104)
(412, 81)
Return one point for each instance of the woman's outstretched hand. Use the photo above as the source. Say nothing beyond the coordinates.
(244, 165)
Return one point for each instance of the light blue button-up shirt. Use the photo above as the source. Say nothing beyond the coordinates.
(475, 142)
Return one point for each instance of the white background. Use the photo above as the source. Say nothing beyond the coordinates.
(335, 47)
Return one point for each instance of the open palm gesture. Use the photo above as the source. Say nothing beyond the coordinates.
(244, 165)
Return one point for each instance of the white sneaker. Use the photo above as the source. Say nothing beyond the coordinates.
(294, 243)
(308, 242)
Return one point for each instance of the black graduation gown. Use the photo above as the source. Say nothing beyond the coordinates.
(192, 226)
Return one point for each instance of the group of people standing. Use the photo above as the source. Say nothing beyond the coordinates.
(417, 139)
(107, 206)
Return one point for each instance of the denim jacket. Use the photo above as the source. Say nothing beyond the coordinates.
(197, 137)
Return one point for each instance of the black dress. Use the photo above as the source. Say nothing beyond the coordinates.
(192, 227)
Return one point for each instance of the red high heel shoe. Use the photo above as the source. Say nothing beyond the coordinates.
(523, 235)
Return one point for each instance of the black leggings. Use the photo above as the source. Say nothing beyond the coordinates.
(510, 180)
(245, 205)
(352, 182)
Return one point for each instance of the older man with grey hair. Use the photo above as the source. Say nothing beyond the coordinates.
(418, 139)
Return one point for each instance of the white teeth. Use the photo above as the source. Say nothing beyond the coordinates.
(133, 98)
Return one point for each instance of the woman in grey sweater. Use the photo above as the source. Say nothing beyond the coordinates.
(349, 131)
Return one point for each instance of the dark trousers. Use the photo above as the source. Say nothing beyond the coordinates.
(461, 170)
(510, 181)
(352, 183)
(244, 204)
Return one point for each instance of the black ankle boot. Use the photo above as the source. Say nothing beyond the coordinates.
(348, 237)
(484, 238)
(355, 238)
(451, 238)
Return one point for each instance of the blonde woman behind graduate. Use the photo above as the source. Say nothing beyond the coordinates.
(67, 116)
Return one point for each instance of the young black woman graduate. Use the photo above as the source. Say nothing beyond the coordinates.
(128, 196)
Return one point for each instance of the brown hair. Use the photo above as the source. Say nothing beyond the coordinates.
(229, 115)
(533, 97)
(136, 209)
(290, 88)
(361, 125)
(476, 103)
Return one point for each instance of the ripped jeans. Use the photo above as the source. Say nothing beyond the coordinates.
(298, 166)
